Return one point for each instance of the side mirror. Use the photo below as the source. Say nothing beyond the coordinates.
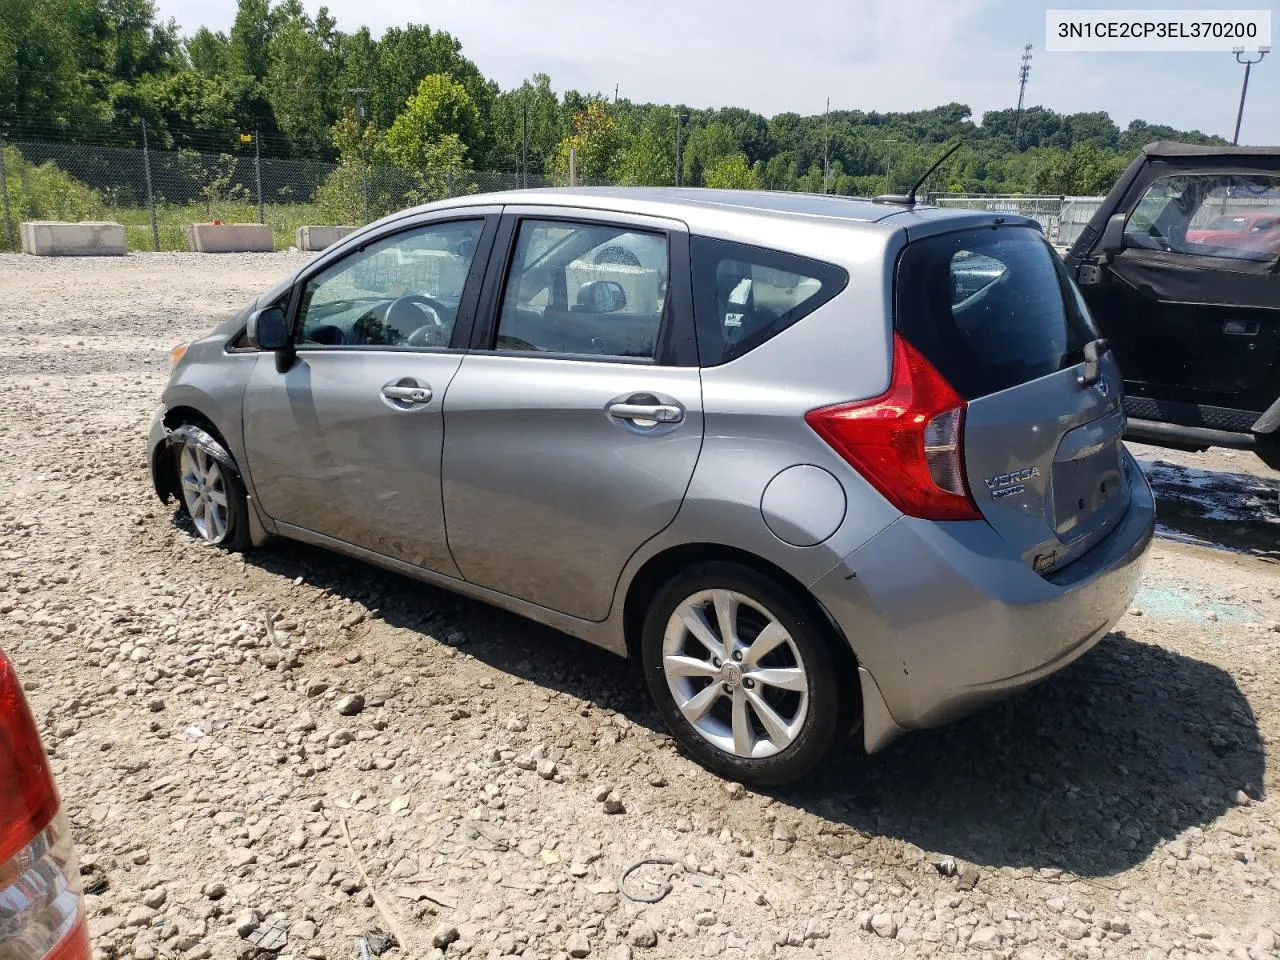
(268, 329)
(1113, 234)
(602, 296)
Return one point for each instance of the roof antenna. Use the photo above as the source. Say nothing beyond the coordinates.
(908, 199)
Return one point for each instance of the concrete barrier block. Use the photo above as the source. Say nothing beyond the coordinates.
(50, 238)
(317, 238)
(229, 238)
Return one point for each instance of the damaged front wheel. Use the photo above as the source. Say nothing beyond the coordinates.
(212, 493)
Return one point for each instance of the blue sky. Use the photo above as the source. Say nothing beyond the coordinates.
(774, 56)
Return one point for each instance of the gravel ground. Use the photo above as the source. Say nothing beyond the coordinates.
(221, 725)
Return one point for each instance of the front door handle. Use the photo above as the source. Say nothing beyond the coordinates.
(656, 412)
(402, 393)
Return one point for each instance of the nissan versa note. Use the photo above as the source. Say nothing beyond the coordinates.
(817, 464)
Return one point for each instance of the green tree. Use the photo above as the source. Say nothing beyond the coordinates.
(39, 75)
(704, 147)
(209, 52)
(647, 159)
(300, 79)
(594, 140)
(441, 108)
(183, 110)
(250, 42)
(732, 172)
(533, 105)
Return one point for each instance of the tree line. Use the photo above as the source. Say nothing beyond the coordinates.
(98, 70)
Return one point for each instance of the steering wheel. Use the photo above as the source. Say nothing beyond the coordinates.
(410, 310)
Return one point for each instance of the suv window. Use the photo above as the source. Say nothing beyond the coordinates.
(1230, 216)
(402, 291)
(589, 289)
(990, 308)
(744, 295)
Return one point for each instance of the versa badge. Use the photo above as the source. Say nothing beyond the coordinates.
(1010, 484)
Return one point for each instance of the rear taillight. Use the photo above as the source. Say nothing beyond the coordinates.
(907, 442)
(28, 798)
(41, 908)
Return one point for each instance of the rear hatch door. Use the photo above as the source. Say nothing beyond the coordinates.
(994, 310)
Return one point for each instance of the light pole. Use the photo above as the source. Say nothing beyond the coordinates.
(888, 164)
(681, 117)
(1244, 88)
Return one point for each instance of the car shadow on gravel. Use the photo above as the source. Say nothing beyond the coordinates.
(1087, 772)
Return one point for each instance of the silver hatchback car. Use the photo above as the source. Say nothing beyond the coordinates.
(819, 465)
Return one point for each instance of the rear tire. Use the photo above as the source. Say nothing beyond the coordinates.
(210, 491)
(763, 705)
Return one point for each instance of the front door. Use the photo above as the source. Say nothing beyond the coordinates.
(572, 432)
(1190, 303)
(347, 442)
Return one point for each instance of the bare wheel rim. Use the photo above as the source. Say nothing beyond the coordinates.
(204, 492)
(735, 673)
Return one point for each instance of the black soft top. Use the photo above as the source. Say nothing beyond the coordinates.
(1171, 148)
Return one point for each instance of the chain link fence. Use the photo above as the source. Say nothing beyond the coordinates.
(1061, 217)
(155, 194)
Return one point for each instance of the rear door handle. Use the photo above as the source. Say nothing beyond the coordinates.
(406, 394)
(658, 412)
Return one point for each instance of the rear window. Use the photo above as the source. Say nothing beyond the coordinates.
(991, 308)
(745, 295)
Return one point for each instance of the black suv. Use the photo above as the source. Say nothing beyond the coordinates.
(1181, 269)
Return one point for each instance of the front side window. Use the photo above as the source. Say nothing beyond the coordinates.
(588, 289)
(745, 295)
(400, 292)
(1229, 216)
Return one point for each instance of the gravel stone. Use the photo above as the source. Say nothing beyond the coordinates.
(350, 705)
(883, 925)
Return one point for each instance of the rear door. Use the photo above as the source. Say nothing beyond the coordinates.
(993, 309)
(1191, 302)
(573, 426)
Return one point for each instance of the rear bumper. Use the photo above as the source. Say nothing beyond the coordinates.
(944, 620)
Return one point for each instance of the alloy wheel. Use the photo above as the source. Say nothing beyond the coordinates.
(735, 673)
(204, 492)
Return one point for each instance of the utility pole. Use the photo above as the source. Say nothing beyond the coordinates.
(524, 139)
(681, 117)
(358, 92)
(1023, 75)
(888, 165)
(615, 93)
(257, 172)
(826, 146)
(1248, 64)
(4, 202)
(151, 197)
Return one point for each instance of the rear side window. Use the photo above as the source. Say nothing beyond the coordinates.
(990, 308)
(745, 295)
